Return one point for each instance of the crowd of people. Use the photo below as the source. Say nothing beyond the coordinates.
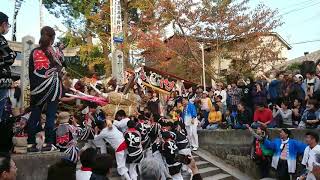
(159, 136)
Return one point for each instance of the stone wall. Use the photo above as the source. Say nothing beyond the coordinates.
(234, 146)
(35, 166)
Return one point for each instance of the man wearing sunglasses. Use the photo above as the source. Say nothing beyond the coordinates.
(7, 57)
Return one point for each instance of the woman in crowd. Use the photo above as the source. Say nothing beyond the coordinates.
(214, 118)
(284, 114)
(259, 94)
(45, 75)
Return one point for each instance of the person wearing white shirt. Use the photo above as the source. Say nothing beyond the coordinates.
(111, 134)
(309, 157)
(121, 121)
(223, 93)
(87, 159)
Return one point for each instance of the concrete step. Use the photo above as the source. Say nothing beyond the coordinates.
(220, 176)
(196, 158)
(209, 171)
(203, 164)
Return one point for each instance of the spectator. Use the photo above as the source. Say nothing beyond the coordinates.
(215, 118)
(7, 57)
(309, 157)
(259, 153)
(246, 88)
(206, 105)
(310, 85)
(87, 159)
(228, 122)
(222, 107)
(220, 91)
(274, 88)
(243, 117)
(285, 154)
(101, 167)
(296, 90)
(62, 170)
(190, 120)
(297, 112)
(8, 169)
(284, 114)
(259, 95)
(150, 169)
(235, 95)
(310, 117)
(154, 104)
(262, 116)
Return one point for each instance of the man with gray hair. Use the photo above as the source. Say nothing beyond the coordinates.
(150, 168)
(316, 166)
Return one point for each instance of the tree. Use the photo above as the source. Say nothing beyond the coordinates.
(229, 29)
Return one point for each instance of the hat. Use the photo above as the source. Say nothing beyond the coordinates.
(63, 117)
(299, 76)
(205, 92)
(3, 18)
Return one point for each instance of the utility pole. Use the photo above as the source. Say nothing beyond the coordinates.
(203, 68)
(17, 6)
(41, 14)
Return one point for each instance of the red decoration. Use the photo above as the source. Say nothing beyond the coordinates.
(40, 60)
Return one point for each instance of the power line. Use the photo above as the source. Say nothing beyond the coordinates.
(304, 42)
(296, 4)
(298, 9)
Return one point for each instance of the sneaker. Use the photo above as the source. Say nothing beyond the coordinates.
(49, 148)
(32, 148)
(194, 149)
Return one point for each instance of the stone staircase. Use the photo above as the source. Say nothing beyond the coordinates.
(209, 171)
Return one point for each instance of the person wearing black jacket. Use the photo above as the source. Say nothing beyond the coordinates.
(7, 57)
(45, 65)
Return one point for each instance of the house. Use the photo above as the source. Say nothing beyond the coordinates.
(220, 63)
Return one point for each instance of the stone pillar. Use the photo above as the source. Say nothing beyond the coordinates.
(117, 67)
(27, 46)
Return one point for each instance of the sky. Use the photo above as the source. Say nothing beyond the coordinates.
(301, 21)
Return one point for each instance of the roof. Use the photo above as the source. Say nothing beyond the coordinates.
(314, 56)
(208, 40)
(281, 39)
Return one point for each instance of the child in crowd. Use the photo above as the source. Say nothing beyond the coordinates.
(310, 117)
(228, 122)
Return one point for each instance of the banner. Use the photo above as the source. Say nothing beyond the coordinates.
(117, 22)
(157, 80)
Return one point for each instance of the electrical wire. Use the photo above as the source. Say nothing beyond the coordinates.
(304, 42)
(298, 9)
(296, 4)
